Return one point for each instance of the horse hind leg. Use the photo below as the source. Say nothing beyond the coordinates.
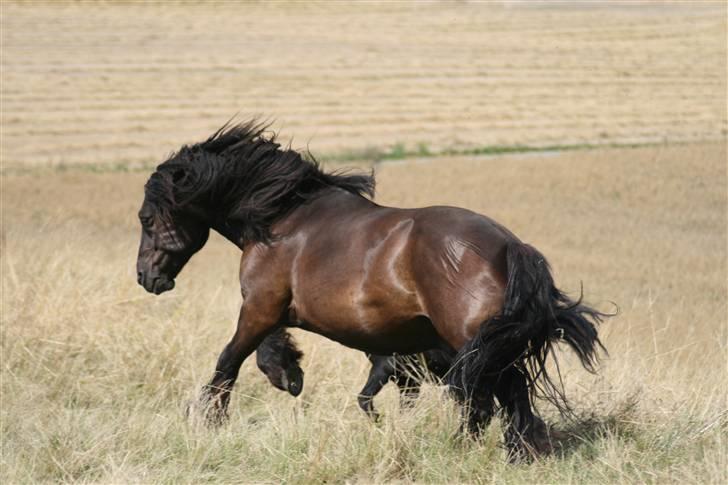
(535, 314)
(478, 407)
(479, 376)
(526, 435)
(478, 381)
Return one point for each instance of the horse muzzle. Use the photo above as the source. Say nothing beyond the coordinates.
(155, 284)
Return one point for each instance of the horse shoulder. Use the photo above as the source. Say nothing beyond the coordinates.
(265, 275)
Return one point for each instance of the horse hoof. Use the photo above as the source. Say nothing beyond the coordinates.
(214, 416)
(530, 445)
(294, 378)
(197, 411)
(519, 456)
(208, 409)
(373, 416)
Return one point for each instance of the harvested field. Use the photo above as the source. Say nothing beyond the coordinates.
(96, 372)
(121, 84)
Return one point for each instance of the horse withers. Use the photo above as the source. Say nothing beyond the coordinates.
(320, 255)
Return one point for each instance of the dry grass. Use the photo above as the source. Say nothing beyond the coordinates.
(96, 372)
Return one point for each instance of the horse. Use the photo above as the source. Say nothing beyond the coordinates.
(278, 358)
(319, 254)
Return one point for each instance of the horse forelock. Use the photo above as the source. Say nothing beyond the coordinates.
(158, 192)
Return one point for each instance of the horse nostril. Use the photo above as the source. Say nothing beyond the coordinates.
(139, 277)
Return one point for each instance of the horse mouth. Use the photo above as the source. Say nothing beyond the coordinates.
(158, 285)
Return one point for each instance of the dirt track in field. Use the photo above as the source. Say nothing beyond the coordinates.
(127, 84)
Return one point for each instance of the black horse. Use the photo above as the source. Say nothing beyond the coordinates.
(319, 255)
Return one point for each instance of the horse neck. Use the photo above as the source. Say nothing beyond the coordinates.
(213, 211)
(230, 230)
(329, 199)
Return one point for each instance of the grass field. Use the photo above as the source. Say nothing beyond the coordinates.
(96, 372)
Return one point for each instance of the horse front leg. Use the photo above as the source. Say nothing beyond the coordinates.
(380, 373)
(279, 359)
(253, 326)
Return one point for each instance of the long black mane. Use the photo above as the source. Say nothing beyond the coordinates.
(242, 174)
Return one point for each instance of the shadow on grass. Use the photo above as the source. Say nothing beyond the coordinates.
(580, 432)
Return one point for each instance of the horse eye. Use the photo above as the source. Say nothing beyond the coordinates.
(146, 220)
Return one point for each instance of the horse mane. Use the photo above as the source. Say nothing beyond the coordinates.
(244, 175)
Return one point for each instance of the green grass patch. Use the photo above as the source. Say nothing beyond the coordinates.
(400, 151)
(371, 154)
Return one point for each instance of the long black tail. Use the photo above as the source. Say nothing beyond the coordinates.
(535, 315)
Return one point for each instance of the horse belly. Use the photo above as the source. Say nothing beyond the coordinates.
(402, 337)
(373, 318)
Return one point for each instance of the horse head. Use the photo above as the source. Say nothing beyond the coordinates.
(169, 239)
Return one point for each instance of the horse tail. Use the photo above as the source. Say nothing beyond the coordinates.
(535, 315)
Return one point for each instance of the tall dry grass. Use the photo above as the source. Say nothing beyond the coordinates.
(95, 372)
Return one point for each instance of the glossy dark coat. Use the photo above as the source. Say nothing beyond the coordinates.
(320, 256)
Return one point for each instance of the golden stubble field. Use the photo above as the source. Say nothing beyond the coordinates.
(122, 83)
(95, 372)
